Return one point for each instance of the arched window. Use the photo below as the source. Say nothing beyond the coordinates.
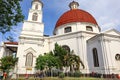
(95, 58)
(89, 28)
(29, 59)
(66, 48)
(36, 6)
(35, 16)
(117, 57)
(67, 29)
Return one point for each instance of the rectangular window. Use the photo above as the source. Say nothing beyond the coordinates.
(95, 58)
(67, 29)
(89, 28)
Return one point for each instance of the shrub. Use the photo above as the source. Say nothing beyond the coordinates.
(61, 75)
(70, 74)
(77, 74)
(55, 73)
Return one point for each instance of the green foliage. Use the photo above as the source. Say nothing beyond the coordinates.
(10, 14)
(61, 75)
(75, 60)
(77, 74)
(67, 59)
(7, 63)
(59, 58)
(59, 52)
(70, 74)
(47, 61)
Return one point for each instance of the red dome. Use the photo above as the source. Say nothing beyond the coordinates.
(75, 15)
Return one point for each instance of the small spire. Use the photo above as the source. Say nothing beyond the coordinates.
(35, 0)
(74, 5)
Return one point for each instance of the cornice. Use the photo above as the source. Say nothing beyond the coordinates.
(37, 11)
(79, 34)
(33, 22)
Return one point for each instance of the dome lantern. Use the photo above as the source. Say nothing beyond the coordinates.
(74, 5)
(35, 0)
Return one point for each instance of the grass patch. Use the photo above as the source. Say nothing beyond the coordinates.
(56, 78)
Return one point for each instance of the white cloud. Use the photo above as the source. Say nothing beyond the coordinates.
(106, 12)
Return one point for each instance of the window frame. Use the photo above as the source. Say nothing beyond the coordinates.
(89, 28)
(29, 57)
(36, 6)
(117, 57)
(95, 57)
(66, 29)
(35, 17)
(67, 48)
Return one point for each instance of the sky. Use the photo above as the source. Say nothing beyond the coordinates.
(106, 13)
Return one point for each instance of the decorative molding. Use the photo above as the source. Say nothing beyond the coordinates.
(68, 36)
(30, 49)
(36, 11)
(106, 40)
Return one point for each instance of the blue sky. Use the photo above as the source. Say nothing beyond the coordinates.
(106, 13)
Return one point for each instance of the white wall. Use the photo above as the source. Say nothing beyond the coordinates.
(2, 50)
(36, 48)
(77, 42)
(95, 43)
(112, 45)
(107, 47)
(76, 26)
(33, 28)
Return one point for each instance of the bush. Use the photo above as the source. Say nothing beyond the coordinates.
(61, 75)
(55, 73)
(70, 74)
(77, 74)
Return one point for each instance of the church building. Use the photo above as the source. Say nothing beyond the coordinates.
(77, 30)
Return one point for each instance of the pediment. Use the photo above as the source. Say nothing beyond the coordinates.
(30, 50)
(112, 32)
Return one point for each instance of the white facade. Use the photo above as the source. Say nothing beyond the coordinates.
(107, 44)
(81, 40)
(76, 26)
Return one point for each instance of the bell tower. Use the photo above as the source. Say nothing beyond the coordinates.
(34, 25)
(35, 13)
(31, 40)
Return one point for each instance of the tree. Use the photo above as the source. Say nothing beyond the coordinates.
(73, 61)
(60, 53)
(10, 14)
(7, 63)
(59, 58)
(47, 61)
(68, 59)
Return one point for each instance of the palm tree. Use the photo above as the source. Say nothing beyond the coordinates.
(73, 61)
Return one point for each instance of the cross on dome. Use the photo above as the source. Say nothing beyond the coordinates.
(74, 5)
